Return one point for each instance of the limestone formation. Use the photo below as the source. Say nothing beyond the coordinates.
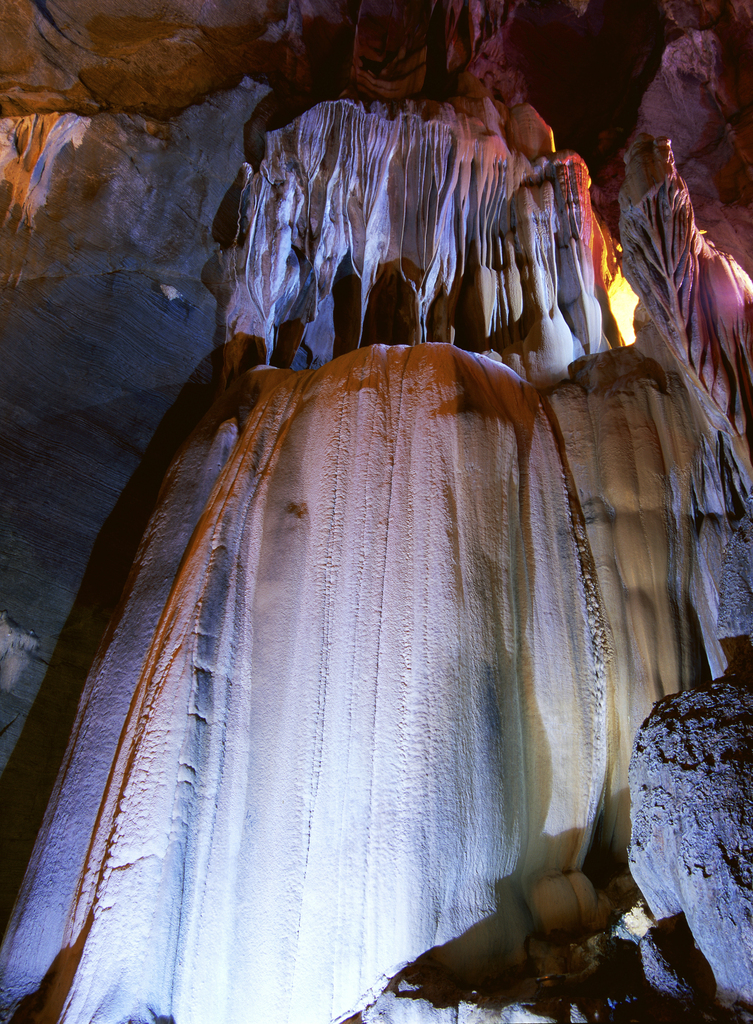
(699, 298)
(104, 373)
(157, 59)
(660, 501)
(430, 559)
(691, 781)
(697, 96)
(343, 718)
(147, 57)
(419, 225)
(735, 625)
(393, 624)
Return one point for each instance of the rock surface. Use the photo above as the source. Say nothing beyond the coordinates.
(158, 59)
(699, 100)
(415, 605)
(660, 492)
(692, 843)
(384, 726)
(427, 224)
(151, 58)
(699, 298)
(17, 650)
(368, 436)
(112, 215)
(107, 341)
(675, 968)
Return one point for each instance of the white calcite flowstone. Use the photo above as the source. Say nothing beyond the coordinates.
(370, 721)
(661, 492)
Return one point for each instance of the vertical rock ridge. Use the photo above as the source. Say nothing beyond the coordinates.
(700, 299)
(445, 232)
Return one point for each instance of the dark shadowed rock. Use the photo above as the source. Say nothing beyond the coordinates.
(674, 966)
(736, 600)
(107, 335)
(701, 100)
(691, 782)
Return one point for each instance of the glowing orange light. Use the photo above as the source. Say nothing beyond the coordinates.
(622, 302)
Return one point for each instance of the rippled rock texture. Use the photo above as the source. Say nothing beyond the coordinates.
(107, 340)
(356, 708)
(399, 229)
(158, 59)
(389, 634)
(697, 296)
(691, 781)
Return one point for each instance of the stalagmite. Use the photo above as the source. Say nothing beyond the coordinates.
(699, 298)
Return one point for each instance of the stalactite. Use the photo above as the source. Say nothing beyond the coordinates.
(442, 230)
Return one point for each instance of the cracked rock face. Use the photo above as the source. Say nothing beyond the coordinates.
(692, 844)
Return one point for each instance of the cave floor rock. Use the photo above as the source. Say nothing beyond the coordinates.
(611, 975)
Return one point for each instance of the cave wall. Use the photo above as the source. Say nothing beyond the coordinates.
(123, 133)
(108, 335)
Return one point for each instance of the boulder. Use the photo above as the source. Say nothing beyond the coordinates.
(691, 781)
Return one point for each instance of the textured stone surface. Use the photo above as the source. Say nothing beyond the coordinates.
(692, 842)
(364, 733)
(660, 491)
(702, 98)
(735, 624)
(111, 221)
(612, 390)
(153, 58)
(675, 968)
(107, 336)
(391, 1009)
(428, 224)
(369, 516)
(158, 59)
(18, 649)
(668, 68)
(585, 977)
(699, 298)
